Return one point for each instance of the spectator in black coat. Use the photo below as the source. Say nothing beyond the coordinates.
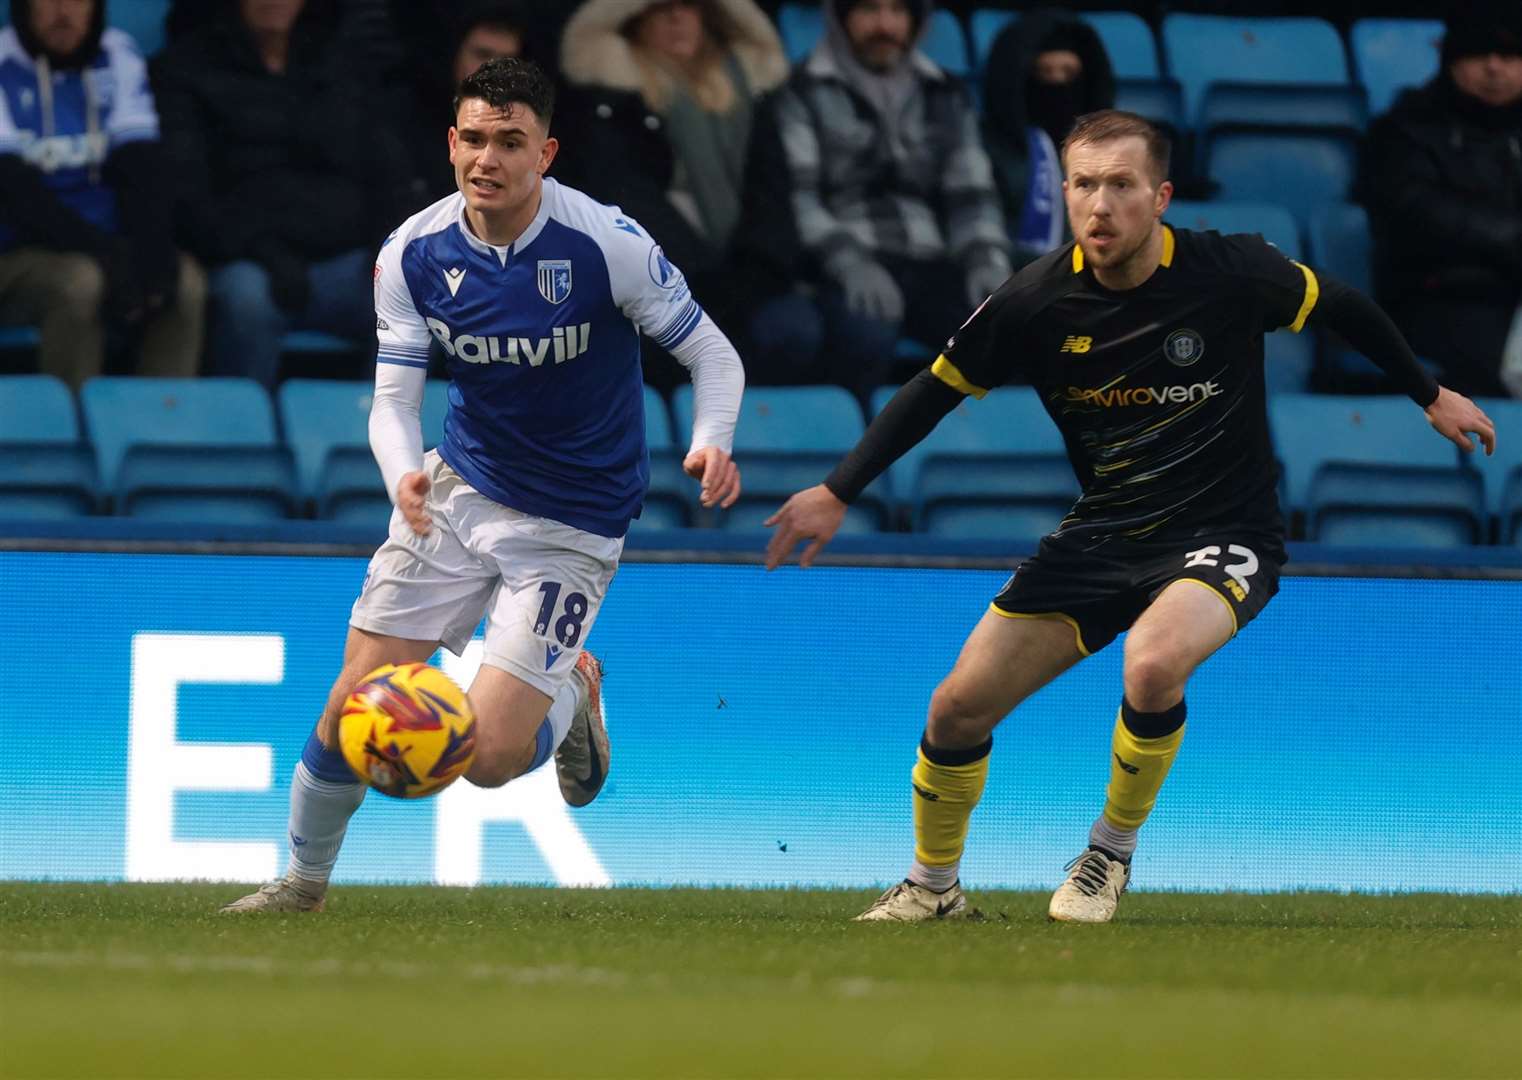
(285, 181)
(1045, 69)
(1443, 184)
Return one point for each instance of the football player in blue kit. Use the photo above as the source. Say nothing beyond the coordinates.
(537, 295)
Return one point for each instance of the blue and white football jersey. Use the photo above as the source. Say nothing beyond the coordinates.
(68, 126)
(546, 396)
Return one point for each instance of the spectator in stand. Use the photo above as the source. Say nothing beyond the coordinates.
(1044, 71)
(892, 191)
(481, 33)
(85, 243)
(284, 178)
(666, 105)
(1443, 184)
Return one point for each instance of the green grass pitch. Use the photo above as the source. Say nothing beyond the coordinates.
(146, 981)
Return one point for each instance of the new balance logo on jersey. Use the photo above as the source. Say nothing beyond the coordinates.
(1144, 395)
(452, 277)
(565, 343)
(1075, 344)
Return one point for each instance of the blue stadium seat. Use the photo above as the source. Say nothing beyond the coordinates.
(1129, 42)
(1159, 100)
(1501, 469)
(19, 337)
(1274, 223)
(123, 411)
(1301, 171)
(37, 408)
(658, 433)
(318, 415)
(1340, 244)
(1010, 420)
(821, 418)
(1396, 506)
(46, 479)
(231, 484)
(672, 497)
(1202, 49)
(1337, 107)
(1392, 54)
(984, 27)
(1033, 491)
(800, 26)
(315, 341)
(769, 477)
(143, 19)
(1313, 430)
(349, 488)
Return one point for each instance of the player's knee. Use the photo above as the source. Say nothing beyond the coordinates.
(491, 769)
(955, 720)
(1153, 680)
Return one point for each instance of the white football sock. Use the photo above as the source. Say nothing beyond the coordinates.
(934, 878)
(320, 812)
(1112, 838)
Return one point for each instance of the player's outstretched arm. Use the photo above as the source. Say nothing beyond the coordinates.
(1455, 417)
(815, 513)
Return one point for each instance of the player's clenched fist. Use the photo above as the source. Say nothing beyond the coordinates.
(411, 499)
(812, 514)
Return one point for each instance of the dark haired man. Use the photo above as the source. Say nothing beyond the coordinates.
(537, 295)
(1146, 346)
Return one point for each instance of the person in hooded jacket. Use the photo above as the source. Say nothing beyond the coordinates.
(1044, 70)
(85, 243)
(284, 177)
(1443, 185)
(892, 193)
(668, 102)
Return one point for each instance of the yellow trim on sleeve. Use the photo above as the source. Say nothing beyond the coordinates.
(1217, 593)
(1167, 246)
(1077, 633)
(948, 373)
(1077, 257)
(1312, 291)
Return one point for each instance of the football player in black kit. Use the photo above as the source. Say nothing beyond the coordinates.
(1145, 343)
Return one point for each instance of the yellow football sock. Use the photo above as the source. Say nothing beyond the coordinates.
(1138, 768)
(945, 791)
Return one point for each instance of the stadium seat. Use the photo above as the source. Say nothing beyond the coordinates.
(124, 411)
(349, 488)
(1159, 100)
(672, 497)
(1339, 107)
(820, 418)
(1396, 506)
(1392, 54)
(1129, 42)
(1501, 470)
(143, 19)
(1313, 430)
(769, 477)
(231, 484)
(1010, 420)
(800, 26)
(1202, 49)
(37, 408)
(1274, 223)
(983, 27)
(1301, 171)
(1340, 244)
(1032, 491)
(46, 479)
(19, 337)
(658, 433)
(318, 415)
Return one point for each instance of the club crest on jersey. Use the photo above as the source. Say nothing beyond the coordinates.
(1184, 347)
(555, 279)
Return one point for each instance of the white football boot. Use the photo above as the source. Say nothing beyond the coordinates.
(908, 902)
(1092, 890)
(290, 893)
(581, 759)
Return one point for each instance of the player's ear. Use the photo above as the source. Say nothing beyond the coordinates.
(1164, 197)
(454, 138)
(547, 154)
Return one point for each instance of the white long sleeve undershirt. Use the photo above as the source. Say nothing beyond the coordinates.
(718, 380)
(396, 425)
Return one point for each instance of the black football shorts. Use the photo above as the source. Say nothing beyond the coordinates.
(1103, 592)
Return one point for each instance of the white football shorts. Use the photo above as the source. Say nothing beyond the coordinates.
(540, 583)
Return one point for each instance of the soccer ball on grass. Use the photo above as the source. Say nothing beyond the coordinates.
(408, 730)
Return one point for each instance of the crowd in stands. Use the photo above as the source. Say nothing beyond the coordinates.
(839, 211)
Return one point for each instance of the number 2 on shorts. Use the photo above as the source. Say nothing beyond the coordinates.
(568, 626)
(1238, 572)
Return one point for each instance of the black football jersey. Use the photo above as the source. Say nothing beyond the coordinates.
(1157, 390)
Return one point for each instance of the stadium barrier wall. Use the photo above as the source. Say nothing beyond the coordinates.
(1362, 734)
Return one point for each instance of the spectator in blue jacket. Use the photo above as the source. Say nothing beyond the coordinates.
(86, 249)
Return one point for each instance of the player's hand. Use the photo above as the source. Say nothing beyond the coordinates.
(1456, 417)
(411, 499)
(812, 514)
(717, 472)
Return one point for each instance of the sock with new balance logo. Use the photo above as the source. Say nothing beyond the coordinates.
(947, 785)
